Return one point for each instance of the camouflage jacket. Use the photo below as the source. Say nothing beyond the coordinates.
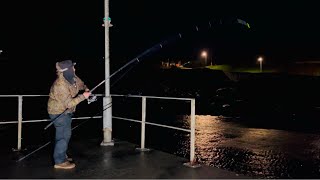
(64, 95)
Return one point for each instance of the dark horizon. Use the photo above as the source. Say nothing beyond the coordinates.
(282, 30)
(42, 34)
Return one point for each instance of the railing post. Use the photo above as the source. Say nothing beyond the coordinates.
(192, 162)
(107, 122)
(192, 133)
(143, 125)
(143, 122)
(19, 122)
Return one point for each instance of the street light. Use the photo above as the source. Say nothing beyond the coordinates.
(260, 59)
(205, 55)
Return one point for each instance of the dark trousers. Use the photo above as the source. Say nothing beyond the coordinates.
(63, 135)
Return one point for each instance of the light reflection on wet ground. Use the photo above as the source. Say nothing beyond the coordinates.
(266, 153)
(222, 143)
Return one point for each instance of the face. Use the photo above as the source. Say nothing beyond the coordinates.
(73, 70)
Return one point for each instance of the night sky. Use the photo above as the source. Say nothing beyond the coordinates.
(72, 28)
(39, 33)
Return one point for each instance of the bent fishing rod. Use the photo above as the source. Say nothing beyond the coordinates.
(109, 105)
(138, 59)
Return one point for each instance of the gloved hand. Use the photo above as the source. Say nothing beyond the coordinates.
(86, 94)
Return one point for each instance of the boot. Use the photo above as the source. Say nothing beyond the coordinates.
(65, 165)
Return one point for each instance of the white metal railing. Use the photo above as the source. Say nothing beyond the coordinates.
(142, 121)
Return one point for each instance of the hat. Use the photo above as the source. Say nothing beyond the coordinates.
(64, 65)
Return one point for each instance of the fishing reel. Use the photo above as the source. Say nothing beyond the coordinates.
(92, 98)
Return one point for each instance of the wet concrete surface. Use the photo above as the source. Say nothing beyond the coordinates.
(121, 161)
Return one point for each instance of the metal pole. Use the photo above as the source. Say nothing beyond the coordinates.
(192, 133)
(19, 122)
(107, 114)
(143, 123)
(260, 66)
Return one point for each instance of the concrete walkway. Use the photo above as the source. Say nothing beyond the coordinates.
(121, 161)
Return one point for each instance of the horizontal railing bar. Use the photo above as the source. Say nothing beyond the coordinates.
(127, 119)
(116, 95)
(9, 122)
(41, 120)
(171, 127)
(154, 97)
(22, 95)
(9, 95)
(94, 117)
(44, 120)
(35, 95)
(30, 95)
(155, 124)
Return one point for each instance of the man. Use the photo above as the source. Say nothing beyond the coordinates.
(63, 99)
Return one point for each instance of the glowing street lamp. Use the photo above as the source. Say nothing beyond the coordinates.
(205, 55)
(260, 59)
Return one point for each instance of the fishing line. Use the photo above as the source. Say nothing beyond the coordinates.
(127, 71)
(138, 59)
(145, 54)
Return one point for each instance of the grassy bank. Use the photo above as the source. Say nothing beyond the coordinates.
(241, 69)
(301, 70)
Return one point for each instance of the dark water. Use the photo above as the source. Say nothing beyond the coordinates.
(258, 149)
(264, 126)
(222, 143)
(266, 153)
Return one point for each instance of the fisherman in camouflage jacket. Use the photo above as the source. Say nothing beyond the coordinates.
(63, 99)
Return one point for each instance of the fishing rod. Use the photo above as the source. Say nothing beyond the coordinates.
(158, 46)
(136, 59)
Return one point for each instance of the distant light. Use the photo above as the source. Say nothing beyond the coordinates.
(260, 59)
(204, 54)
